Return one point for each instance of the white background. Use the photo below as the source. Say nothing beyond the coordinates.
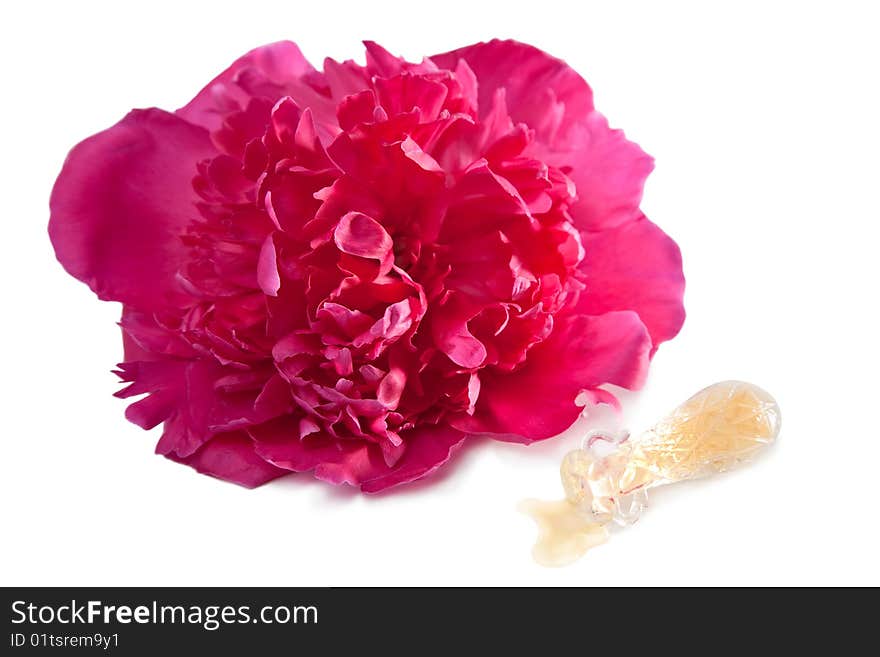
(763, 119)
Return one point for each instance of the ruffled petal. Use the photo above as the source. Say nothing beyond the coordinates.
(359, 235)
(121, 204)
(195, 401)
(271, 71)
(549, 96)
(355, 463)
(427, 448)
(145, 337)
(263, 71)
(267, 268)
(231, 457)
(286, 444)
(537, 401)
(608, 171)
(635, 266)
(541, 90)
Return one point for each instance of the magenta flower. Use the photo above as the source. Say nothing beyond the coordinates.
(348, 272)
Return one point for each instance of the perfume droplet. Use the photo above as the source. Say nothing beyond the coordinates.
(565, 533)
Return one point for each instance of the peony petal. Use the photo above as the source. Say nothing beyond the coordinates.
(121, 203)
(360, 235)
(270, 71)
(449, 327)
(537, 401)
(357, 108)
(528, 75)
(381, 62)
(187, 396)
(637, 267)
(345, 78)
(608, 171)
(146, 337)
(332, 460)
(267, 268)
(231, 457)
(427, 448)
(404, 93)
(549, 96)
(364, 237)
(358, 464)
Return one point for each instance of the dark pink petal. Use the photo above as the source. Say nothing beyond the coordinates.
(345, 79)
(267, 268)
(231, 457)
(356, 463)
(381, 62)
(427, 448)
(404, 93)
(537, 401)
(391, 388)
(360, 235)
(271, 71)
(121, 203)
(635, 266)
(449, 327)
(545, 93)
(357, 108)
(148, 336)
(608, 171)
(274, 399)
(190, 398)
(534, 82)
(186, 392)
(336, 461)
(468, 83)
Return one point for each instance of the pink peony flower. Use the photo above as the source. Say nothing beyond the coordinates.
(349, 272)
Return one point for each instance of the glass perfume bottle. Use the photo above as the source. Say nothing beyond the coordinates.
(608, 479)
